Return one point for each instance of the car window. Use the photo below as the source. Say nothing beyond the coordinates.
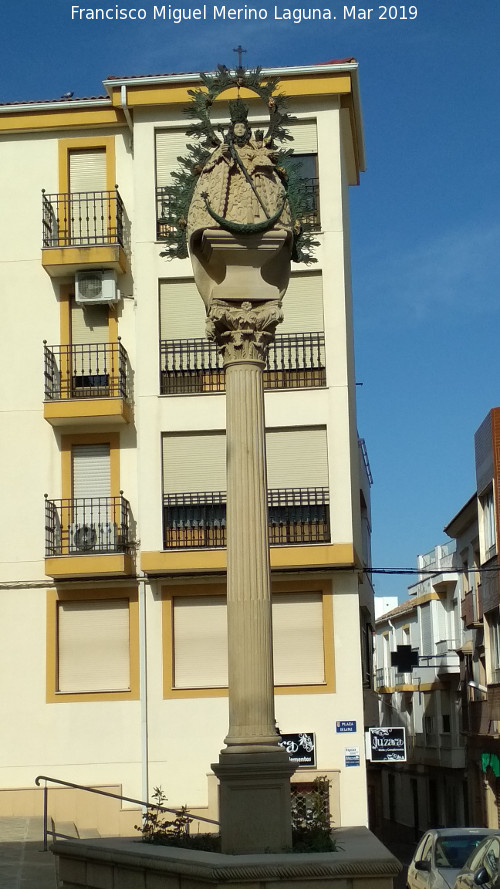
(476, 859)
(454, 850)
(426, 852)
(419, 849)
(491, 858)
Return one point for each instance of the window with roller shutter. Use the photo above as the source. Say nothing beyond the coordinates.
(200, 640)
(190, 363)
(195, 498)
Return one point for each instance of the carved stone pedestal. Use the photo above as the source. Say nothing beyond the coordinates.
(255, 267)
(255, 813)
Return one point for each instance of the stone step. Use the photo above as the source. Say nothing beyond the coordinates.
(65, 830)
(88, 833)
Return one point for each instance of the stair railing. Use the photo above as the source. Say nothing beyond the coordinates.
(127, 799)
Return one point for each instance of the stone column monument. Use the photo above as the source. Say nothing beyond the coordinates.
(239, 237)
(231, 211)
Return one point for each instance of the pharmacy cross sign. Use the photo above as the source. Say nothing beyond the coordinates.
(404, 659)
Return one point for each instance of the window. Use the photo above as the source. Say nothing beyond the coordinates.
(92, 645)
(192, 364)
(87, 211)
(89, 353)
(195, 496)
(488, 511)
(195, 633)
(494, 632)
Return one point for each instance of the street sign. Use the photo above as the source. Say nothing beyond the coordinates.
(351, 756)
(345, 725)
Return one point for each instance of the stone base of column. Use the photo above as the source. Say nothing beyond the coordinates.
(254, 802)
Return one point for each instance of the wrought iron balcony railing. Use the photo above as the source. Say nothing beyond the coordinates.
(82, 219)
(93, 370)
(295, 361)
(86, 526)
(296, 515)
(164, 229)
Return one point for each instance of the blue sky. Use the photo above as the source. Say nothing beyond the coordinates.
(425, 218)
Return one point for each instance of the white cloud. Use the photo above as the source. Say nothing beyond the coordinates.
(458, 272)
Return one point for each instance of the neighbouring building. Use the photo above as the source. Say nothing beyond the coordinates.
(480, 659)
(429, 789)
(112, 585)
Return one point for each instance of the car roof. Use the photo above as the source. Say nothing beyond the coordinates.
(466, 831)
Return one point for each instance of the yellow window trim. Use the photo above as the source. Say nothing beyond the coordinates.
(83, 144)
(67, 442)
(169, 593)
(84, 595)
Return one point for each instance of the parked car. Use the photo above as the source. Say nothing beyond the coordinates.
(482, 867)
(441, 854)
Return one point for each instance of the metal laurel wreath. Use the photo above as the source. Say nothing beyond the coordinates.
(179, 194)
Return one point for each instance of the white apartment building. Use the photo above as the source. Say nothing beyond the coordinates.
(430, 788)
(112, 558)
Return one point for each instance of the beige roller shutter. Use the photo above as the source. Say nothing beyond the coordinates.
(298, 639)
(170, 144)
(89, 324)
(305, 137)
(93, 646)
(297, 458)
(303, 304)
(194, 462)
(87, 170)
(200, 642)
(182, 313)
(91, 470)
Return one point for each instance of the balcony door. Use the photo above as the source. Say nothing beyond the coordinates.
(90, 354)
(93, 527)
(89, 204)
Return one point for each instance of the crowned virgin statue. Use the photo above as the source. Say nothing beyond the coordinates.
(240, 187)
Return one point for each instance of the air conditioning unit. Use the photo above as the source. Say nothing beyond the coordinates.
(98, 537)
(96, 286)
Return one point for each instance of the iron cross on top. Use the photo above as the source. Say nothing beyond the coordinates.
(404, 659)
(239, 49)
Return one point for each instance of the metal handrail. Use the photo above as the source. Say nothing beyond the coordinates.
(127, 799)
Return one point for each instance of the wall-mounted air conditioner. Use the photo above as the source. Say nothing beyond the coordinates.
(94, 286)
(100, 537)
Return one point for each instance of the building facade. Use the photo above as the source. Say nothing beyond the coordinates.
(112, 596)
(429, 789)
(480, 660)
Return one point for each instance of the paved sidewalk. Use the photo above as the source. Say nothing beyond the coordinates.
(23, 863)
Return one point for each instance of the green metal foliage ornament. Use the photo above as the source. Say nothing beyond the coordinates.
(177, 197)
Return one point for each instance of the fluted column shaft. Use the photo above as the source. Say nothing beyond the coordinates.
(251, 687)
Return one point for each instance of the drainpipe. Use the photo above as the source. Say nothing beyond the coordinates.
(143, 690)
(126, 109)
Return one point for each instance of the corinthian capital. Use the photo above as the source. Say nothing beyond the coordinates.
(242, 330)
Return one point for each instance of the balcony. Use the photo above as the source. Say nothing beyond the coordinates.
(198, 520)
(471, 609)
(87, 536)
(165, 231)
(449, 662)
(86, 382)
(82, 229)
(444, 750)
(194, 366)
